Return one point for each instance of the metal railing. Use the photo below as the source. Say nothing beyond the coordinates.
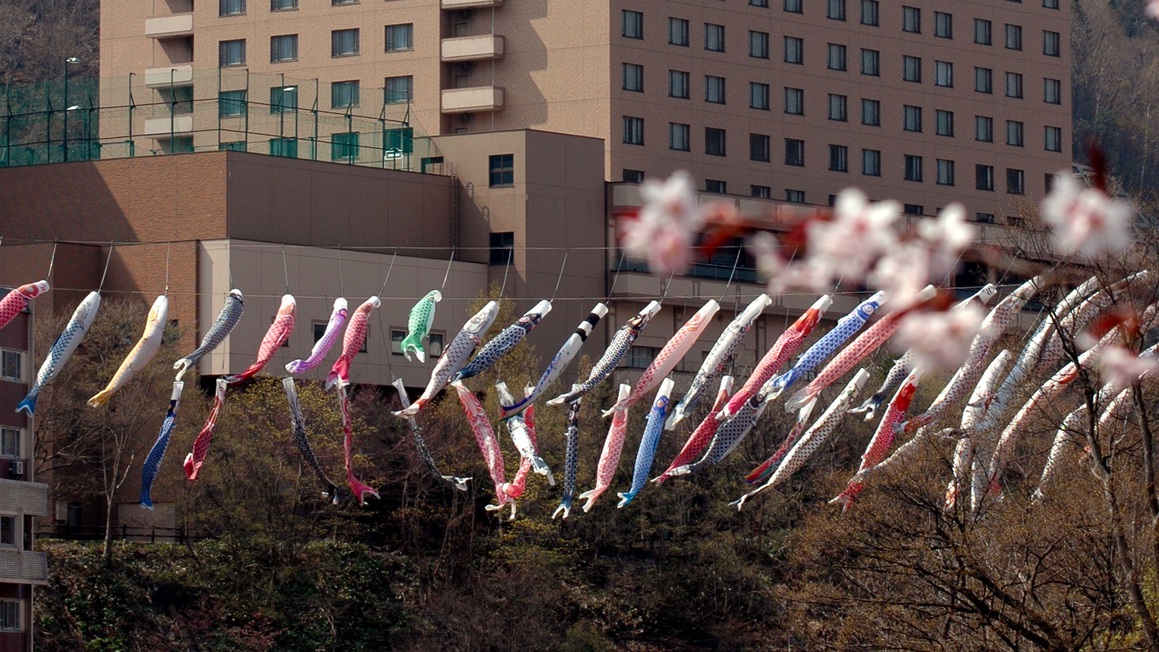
(136, 533)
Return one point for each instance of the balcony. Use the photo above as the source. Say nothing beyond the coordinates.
(19, 497)
(23, 566)
(472, 48)
(169, 26)
(471, 100)
(177, 124)
(178, 75)
(470, 4)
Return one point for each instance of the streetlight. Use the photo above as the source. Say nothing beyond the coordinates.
(71, 108)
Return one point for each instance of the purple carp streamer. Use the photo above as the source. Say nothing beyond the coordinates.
(324, 343)
(610, 454)
(846, 327)
(141, 354)
(617, 349)
(776, 357)
(571, 460)
(62, 349)
(560, 362)
(719, 354)
(517, 427)
(488, 444)
(422, 316)
(421, 444)
(653, 429)
(275, 336)
(195, 459)
(302, 441)
(703, 434)
(157, 452)
(454, 356)
(228, 317)
(812, 439)
(352, 342)
(357, 487)
(506, 340)
(17, 300)
(669, 356)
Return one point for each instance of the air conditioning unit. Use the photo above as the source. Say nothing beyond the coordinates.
(16, 468)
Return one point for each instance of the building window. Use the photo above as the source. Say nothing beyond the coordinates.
(982, 31)
(759, 45)
(10, 616)
(284, 48)
(984, 218)
(871, 113)
(793, 6)
(10, 442)
(502, 170)
(761, 192)
(758, 3)
(871, 162)
(435, 345)
(283, 99)
(678, 84)
(1052, 91)
(230, 7)
(911, 20)
(502, 247)
(911, 68)
(794, 50)
(397, 335)
(795, 101)
(945, 172)
(913, 118)
(634, 77)
(283, 5)
(913, 209)
(944, 74)
(231, 53)
(1050, 43)
(714, 89)
(1014, 133)
(633, 24)
(399, 89)
(794, 152)
(287, 147)
(633, 130)
(715, 141)
(677, 32)
(983, 128)
(339, 3)
(1015, 182)
(679, 137)
(838, 158)
(984, 177)
(836, 57)
(945, 122)
(1053, 139)
(713, 37)
(1014, 85)
(231, 104)
(344, 146)
(344, 94)
(639, 357)
(1050, 4)
(7, 530)
(11, 365)
(795, 196)
(715, 186)
(870, 62)
(1013, 37)
(983, 80)
(869, 13)
(913, 168)
(837, 108)
(943, 25)
(758, 96)
(344, 43)
(633, 176)
(1048, 183)
(232, 146)
(759, 148)
(836, 10)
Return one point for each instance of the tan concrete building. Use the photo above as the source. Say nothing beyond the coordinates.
(793, 100)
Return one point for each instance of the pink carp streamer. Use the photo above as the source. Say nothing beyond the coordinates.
(276, 335)
(488, 444)
(865, 344)
(767, 467)
(325, 343)
(195, 459)
(17, 300)
(466, 340)
(518, 484)
(352, 342)
(669, 356)
(703, 434)
(610, 455)
(811, 440)
(776, 357)
(883, 438)
(357, 487)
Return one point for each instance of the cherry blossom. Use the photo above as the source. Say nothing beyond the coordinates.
(784, 276)
(665, 229)
(1151, 10)
(940, 340)
(947, 237)
(1085, 221)
(860, 232)
(1120, 366)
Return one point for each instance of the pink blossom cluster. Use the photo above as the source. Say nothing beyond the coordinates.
(1085, 221)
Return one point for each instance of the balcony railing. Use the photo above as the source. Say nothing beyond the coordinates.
(472, 48)
(23, 566)
(169, 26)
(178, 75)
(471, 100)
(470, 4)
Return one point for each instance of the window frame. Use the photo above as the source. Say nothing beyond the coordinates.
(760, 148)
(11, 354)
(837, 57)
(870, 162)
(632, 24)
(633, 130)
(944, 172)
(911, 19)
(685, 135)
(714, 37)
(633, 77)
(794, 50)
(794, 101)
(715, 141)
(275, 42)
(353, 90)
(841, 104)
(715, 91)
(871, 13)
(759, 96)
(913, 168)
(392, 33)
(838, 158)
(758, 44)
(678, 32)
(795, 152)
(231, 44)
(911, 68)
(685, 83)
(501, 170)
(983, 32)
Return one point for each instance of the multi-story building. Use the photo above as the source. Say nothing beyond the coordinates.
(783, 99)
